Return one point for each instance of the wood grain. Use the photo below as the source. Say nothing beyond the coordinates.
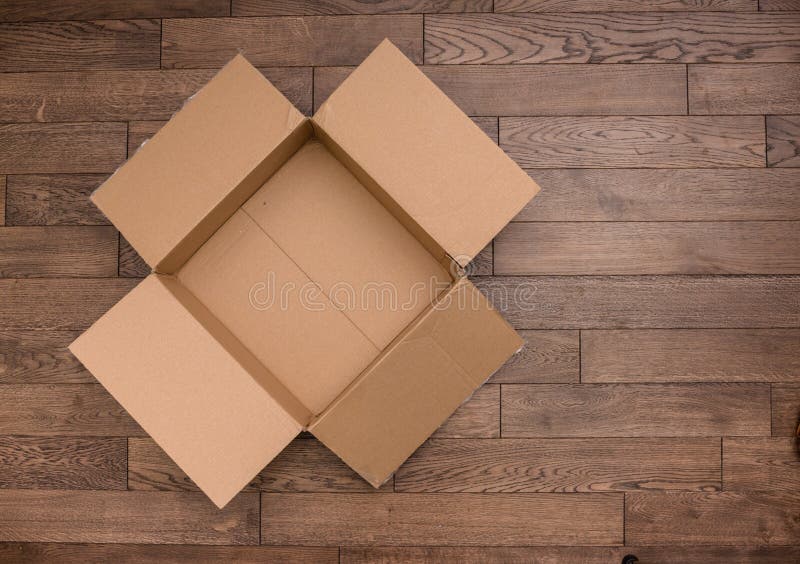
(477, 417)
(441, 519)
(768, 247)
(489, 126)
(707, 518)
(335, 7)
(61, 147)
(80, 45)
(53, 199)
(303, 466)
(2, 200)
(691, 355)
(744, 89)
(58, 251)
(75, 553)
(626, 5)
(562, 465)
(123, 95)
(135, 517)
(635, 410)
(778, 5)
(557, 554)
(58, 303)
(131, 265)
(63, 409)
(290, 41)
(40, 357)
(612, 38)
(785, 409)
(483, 263)
(36, 10)
(638, 142)
(62, 463)
(524, 90)
(736, 194)
(546, 357)
(783, 141)
(645, 302)
(769, 464)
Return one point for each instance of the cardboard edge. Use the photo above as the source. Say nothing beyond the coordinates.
(328, 107)
(294, 118)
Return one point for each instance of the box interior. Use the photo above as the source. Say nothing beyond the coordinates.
(313, 274)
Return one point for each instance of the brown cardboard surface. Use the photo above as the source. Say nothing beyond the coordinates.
(203, 158)
(307, 343)
(283, 248)
(370, 266)
(409, 391)
(185, 389)
(425, 153)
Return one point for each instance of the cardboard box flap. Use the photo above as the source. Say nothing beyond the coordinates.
(425, 153)
(202, 399)
(161, 198)
(405, 395)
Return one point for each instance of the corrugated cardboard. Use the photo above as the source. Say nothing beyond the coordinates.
(307, 273)
(461, 188)
(210, 408)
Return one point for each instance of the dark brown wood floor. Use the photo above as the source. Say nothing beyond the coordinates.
(652, 410)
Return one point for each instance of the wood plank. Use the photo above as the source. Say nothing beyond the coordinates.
(63, 409)
(635, 410)
(489, 126)
(626, 5)
(289, 41)
(525, 90)
(305, 465)
(471, 519)
(57, 303)
(562, 465)
(135, 517)
(74, 553)
(691, 355)
(123, 95)
(336, 7)
(3, 190)
(769, 247)
(58, 251)
(785, 409)
(36, 10)
(53, 199)
(778, 5)
(645, 302)
(61, 147)
(664, 195)
(40, 357)
(768, 464)
(62, 463)
(131, 265)
(80, 45)
(612, 38)
(707, 518)
(483, 263)
(744, 89)
(637, 142)
(140, 132)
(554, 554)
(783, 141)
(546, 357)
(478, 417)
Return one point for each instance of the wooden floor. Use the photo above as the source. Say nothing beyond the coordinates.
(653, 408)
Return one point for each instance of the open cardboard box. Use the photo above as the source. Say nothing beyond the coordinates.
(308, 273)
